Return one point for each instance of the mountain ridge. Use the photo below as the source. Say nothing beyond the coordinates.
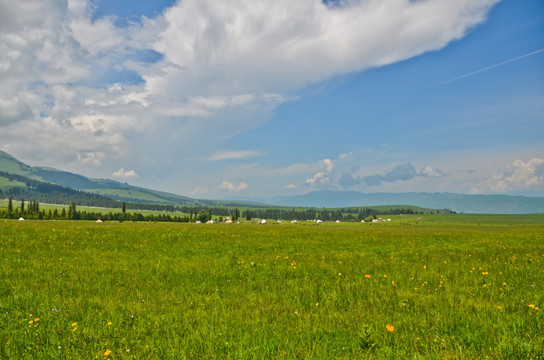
(112, 189)
(468, 203)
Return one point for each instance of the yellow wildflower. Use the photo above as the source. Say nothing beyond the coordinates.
(107, 353)
(390, 328)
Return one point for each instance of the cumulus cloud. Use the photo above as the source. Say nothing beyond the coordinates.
(322, 177)
(223, 66)
(233, 187)
(286, 44)
(402, 172)
(517, 176)
(125, 174)
(319, 178)
(431, 172)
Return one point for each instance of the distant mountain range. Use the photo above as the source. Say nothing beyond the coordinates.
(490, 204)
(494, 204)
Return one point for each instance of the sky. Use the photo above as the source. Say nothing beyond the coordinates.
(242, 99)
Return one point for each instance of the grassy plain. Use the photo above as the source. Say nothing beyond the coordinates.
(423, 286)
(91, 209)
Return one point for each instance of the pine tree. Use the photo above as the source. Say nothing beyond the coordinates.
(10, 208)
(72, 212)
(235, 214)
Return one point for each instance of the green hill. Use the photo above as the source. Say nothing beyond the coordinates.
(107, 188)
(20, 187)
(11, 165)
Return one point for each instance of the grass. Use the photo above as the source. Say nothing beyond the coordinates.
(455, 286)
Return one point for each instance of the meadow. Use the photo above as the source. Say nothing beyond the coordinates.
(418, 287)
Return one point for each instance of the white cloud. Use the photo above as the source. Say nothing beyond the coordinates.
(319, 178)
(125, 174)
(401, 172)
(329, 164)
(290, 186)
(345, 156)
(429, 171)
(279, 46)
(234, 154)
(225, 66)
(514, 177)
(322, 177)
(233, 187)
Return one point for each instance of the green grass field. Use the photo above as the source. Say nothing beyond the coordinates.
(429, 287)
(91, 209)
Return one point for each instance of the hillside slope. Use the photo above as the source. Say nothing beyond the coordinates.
(108, 188)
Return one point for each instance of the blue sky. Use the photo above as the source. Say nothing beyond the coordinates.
(238, 99)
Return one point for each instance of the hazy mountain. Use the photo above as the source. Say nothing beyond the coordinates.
(495, 204)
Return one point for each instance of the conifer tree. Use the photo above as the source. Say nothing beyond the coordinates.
(10, 208)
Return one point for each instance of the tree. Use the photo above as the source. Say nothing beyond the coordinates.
(248, 215)
(22, 206)
(123, 211)
(235, 214)
(72, 212)
(10, 208)
(204, 216)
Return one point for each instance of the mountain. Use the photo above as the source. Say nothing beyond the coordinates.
(21, 187)
(490, 204)
(108, 188)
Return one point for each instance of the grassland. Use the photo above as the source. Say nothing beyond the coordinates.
(91, 209)
(427, 286)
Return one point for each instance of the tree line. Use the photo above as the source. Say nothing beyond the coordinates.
(31, 210)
